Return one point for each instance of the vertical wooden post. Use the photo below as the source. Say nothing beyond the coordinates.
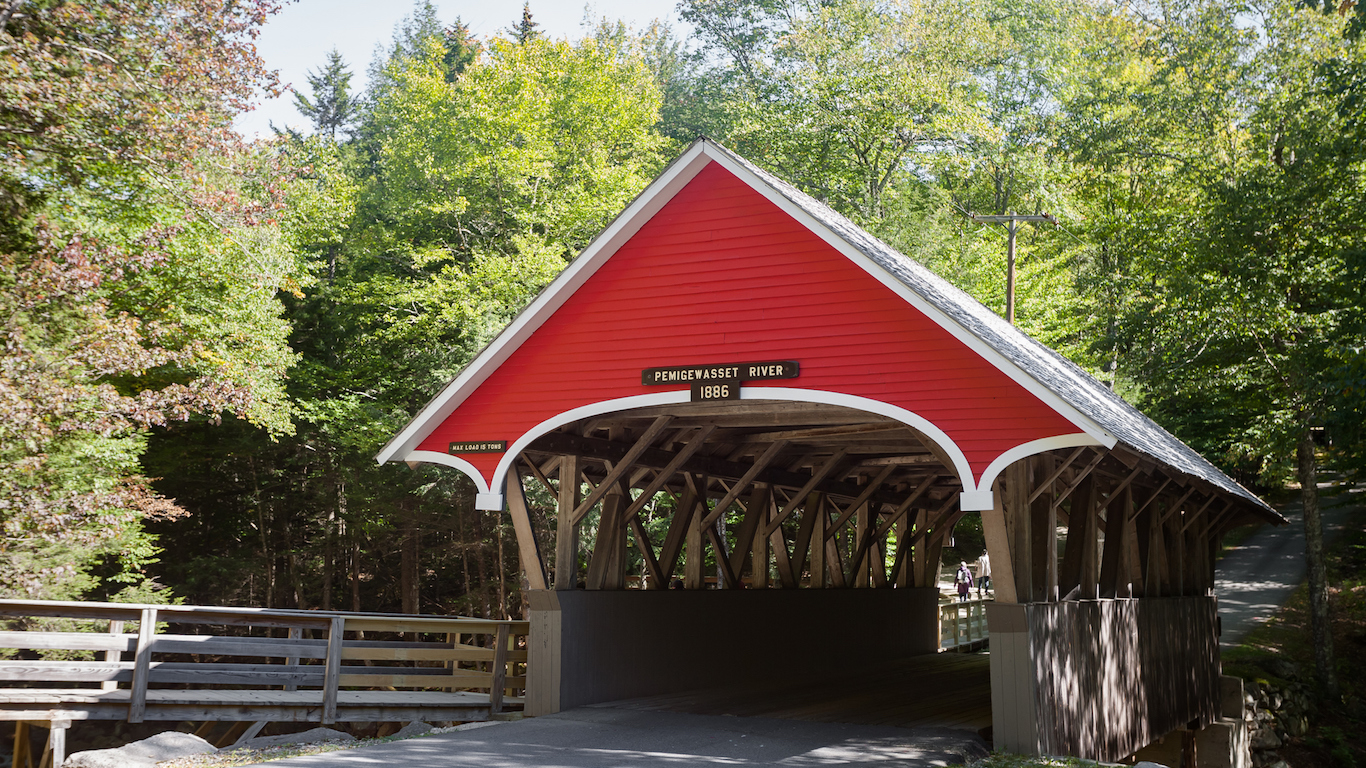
(56, 741)
(115, 629)
(815, 506)
(922, 519)
(142, 665)
(1112, 576)
(695, 552)
(566, 533)
(760, 505)
(1018, 524)
(603, 569)
(861, 565)
(23, 753)
(332, 674)
(997, 537)
(500, 669)
(295, 633)
(1043, 539)
(901, 577)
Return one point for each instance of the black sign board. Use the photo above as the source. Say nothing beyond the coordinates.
(483, 446)
(688, 374)
(719, 382)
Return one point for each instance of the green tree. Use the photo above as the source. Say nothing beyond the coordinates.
(331, 108)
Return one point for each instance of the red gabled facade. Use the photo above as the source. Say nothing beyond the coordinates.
(722, 274)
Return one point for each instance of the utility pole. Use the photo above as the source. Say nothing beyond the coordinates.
(1012, 222)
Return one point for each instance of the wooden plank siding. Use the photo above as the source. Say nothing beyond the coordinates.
(681, 277)
(1100, 679)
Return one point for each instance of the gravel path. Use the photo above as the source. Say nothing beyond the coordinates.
(1255, 579)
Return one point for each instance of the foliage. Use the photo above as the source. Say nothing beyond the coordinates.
(139, 263)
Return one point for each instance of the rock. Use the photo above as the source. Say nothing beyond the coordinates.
(412, 729)
(1298, 725)
(142, 754)
(1265, 738)
(1148, 764)
(305, 737)
(1277, 701)
(1279, 764)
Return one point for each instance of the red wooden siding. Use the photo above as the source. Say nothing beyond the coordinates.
(720, 275)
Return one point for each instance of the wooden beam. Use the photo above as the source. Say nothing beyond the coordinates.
(1153, 497)
(745, 536)
(566, 532)
(540, 474)
(815, 510)
(606, 450)
(621, 467)
(693, 578)
(1045, 485)
(527, 548)
(861, 500)
(806, 489)
(1081, 475)
(818, 432)
(669, 471)
(678, 531)
(647, 550)
(905, 505)
(760, 464)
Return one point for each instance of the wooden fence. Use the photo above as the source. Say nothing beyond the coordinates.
(962, 625)
(252, 664)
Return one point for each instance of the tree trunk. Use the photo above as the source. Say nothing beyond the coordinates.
(408, 569)
(1318, 575)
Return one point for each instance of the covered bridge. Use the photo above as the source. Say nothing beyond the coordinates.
(816, 411)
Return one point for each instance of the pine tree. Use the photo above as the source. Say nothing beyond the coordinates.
(332, 108)
(461, 49)
(525, 31)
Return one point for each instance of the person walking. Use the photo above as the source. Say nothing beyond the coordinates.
(963, 579)
(983, 574)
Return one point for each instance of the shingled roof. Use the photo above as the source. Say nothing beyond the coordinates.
(1068, 381)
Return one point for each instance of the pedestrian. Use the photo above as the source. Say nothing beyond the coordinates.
(983, 573)
(963, 578)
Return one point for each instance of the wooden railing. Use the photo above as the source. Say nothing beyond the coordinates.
(304, 649)
(962, 625)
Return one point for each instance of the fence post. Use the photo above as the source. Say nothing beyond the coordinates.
(115, 629)
(500, 669)
(333, 674)
(142, 665)
(295, 633)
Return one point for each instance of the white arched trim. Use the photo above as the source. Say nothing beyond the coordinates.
(1019, 452)
(432, 457)
(911, 419)
(494, 501)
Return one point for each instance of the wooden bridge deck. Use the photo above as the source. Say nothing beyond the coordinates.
(945, 689)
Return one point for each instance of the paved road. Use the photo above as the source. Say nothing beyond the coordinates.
(1256, 579)
(611, 738)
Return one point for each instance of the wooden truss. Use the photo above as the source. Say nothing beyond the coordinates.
(760, 494)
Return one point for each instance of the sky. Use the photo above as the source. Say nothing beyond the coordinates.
(298, 38)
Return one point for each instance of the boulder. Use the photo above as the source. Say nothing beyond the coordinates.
(412, 729)
(1265, 738)
(311, 736)
(1148, 764)
(170, 745)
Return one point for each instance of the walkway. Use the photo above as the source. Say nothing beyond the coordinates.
(890, 694)
(1253, 580)
(615, 738)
